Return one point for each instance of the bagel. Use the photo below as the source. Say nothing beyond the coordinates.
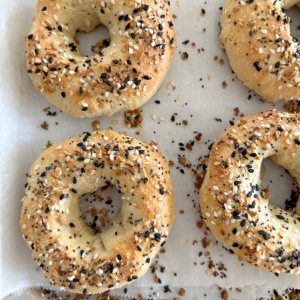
(261, 51)
(233, 205)
(70, 254)
(123, 77)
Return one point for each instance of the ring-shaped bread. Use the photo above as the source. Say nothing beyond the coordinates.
(261, 51)
(123, 77)
(233, 205)
(71, 255)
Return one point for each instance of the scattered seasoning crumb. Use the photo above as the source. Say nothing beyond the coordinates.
(224, 84)
(49, 113)
(205, 243)
(44, 126)
(171, 85)
(133, 118)
(224, 295)
(178, 3)
(189, 146)
(154, 117)
(202, 12)
(200, 224)
(181, 292)
(236, 111)
(184, 56)
(182, 160)
(48, 144)
(96, 125)
(198, 136)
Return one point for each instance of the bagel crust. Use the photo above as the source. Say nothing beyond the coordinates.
(261, 51)
(123, 77)
(70, 254)
(233, 205)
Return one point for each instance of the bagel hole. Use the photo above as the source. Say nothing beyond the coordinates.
(293, 13)
(279, 184)
(99, 209)
(93, 42)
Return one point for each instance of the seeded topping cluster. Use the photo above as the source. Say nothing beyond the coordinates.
(66, 249)
(236, 209)
(121, 77)
(263, 54)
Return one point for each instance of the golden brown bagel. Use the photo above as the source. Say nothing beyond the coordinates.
(261, 51)
(123, 77)
(232, 203)
(65, 248)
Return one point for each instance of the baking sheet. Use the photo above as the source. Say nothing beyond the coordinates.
(201, 90)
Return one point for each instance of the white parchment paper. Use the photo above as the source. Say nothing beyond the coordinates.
(205, 104)
(211, 293)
